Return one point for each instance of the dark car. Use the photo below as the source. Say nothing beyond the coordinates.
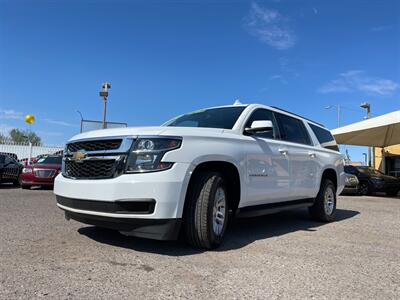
(42, 173)
(10, 169)
(372, 181)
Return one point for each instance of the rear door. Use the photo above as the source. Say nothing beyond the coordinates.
(304, 168)
(267, 166)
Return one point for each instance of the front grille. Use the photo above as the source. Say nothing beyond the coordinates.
(93, 169)
(44, 173)
(100, 145)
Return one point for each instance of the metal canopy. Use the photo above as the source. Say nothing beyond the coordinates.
(382, 131)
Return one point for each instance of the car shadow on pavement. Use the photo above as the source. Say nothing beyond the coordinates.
(241, 233)
(8, 186)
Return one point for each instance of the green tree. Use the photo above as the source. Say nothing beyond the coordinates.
(2, 138)
(24, 136)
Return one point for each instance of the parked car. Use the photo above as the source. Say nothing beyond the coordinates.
(10, 169)
(372, 181)
(41, 173)
(199, 170)
(351, 184)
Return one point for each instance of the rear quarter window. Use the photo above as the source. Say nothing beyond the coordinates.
(324, 137)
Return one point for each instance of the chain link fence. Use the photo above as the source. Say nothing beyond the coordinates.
(25, 151)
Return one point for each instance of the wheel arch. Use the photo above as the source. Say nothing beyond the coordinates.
(229, 170)
(331, 174)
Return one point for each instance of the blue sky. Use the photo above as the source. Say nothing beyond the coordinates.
(165, 58)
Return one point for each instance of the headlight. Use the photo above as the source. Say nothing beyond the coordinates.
(27, 170)
(147, 153)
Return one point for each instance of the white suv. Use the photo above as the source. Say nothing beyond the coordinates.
(199, 170)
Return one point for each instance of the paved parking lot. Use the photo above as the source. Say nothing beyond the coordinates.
(277, 256)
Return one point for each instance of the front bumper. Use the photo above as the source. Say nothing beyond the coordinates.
(158, 229)
(167, 188)
(350, 189)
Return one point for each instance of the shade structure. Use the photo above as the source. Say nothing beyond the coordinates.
(382, 131)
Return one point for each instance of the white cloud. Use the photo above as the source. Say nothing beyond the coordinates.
(270, 27)
(10, 114)
(58, 122)
(381, 28)
(5, 129)
(358, 80)
(49, 133)
(279, 78)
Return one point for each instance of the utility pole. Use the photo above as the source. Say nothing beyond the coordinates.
(104, 94)
(371, 150)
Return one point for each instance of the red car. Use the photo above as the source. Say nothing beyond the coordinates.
(41, 173)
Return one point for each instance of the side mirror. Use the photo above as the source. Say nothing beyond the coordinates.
(260, 126)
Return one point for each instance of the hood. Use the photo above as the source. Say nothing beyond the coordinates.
(388, 178)
(160, 130)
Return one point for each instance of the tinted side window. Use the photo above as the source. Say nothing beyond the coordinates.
(2, 159)
(292, 130)
(264, 115)
(324, 137)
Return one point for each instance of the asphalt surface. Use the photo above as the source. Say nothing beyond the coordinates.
(277, 256)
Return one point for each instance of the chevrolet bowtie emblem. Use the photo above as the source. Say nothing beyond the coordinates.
(79, 155)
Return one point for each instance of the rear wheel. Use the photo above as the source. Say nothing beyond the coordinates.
(25, 186)
(324, 208)
(206, 212)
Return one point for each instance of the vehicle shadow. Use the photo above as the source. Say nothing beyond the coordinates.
(242, 232)
(8, 186)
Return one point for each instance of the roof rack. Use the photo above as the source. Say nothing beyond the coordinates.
(297, 115)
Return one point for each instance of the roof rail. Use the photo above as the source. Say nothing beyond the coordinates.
(297, 115)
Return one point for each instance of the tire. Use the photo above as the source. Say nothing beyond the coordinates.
(16, 182)
(364, 189)
(25, 186)
(206, 212)
(392, 193)
(324, 208)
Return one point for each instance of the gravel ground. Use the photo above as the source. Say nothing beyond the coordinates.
(277, 256)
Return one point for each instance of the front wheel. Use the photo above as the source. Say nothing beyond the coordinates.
(392, 193)
(363, 189)
(206, 214)
(324, 208)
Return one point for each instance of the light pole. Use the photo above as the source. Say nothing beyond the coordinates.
(338, 112)
(371, 150)
(337, 106)
(365, 158)
(81, 118)
(104, 94)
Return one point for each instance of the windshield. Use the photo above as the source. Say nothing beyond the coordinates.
(223, 117)
(56, 160)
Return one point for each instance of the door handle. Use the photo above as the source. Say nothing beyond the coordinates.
(312, 154)
(283, 151)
